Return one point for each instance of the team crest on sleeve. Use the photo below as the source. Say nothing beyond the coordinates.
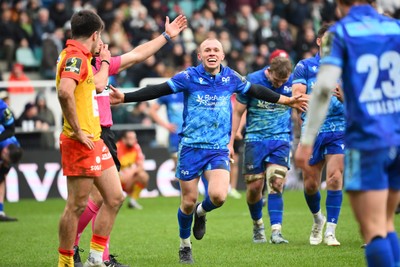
(327, 43)
(242, 78)
(7, 114)
(73, 64)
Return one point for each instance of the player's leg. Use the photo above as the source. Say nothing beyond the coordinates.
(187, 168)
(254, 198)
(218, 186)
(369, 208)
(110, 188)
(275, 177)
(189, 192)
(312, 181)
(81, 168)
(367, 183)
(94, 203)
(392, 203)
(234, 173)
(3, 216)
(334, 198)
(253, 170)
(78, 194)
(141, 180)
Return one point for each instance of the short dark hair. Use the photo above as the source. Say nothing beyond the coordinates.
(15, 153)
(324, 28)
(84, 23)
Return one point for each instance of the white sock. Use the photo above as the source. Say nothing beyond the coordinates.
(330, 228)
(2, 213)
(276, 227)
(200, 211)
(318, 217)
(259, 222)
(185, 242)
(95, 256)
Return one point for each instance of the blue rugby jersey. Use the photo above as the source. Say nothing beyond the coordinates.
(174, 105)
(8, 141)
(366, 45)
(207, 113)
(267, 120)
(6, 117)
(305, 73)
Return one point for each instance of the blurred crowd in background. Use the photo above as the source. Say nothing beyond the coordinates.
(33, 33)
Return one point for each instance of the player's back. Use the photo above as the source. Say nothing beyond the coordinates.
(367, 47)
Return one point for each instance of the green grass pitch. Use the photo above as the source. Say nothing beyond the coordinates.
(149, 237)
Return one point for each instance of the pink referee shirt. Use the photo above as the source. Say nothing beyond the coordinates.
(103, 99)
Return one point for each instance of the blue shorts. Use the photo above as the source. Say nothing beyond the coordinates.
(258, 153)
(372, 170)
(329, 143)
(192, 162)
(174, 139)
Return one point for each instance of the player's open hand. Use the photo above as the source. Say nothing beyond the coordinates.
(176, 26)
(338, 92)
(116, 96)
(299, 102)
(84, 138)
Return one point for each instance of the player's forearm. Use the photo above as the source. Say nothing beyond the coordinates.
(319, 103)
(142, 52)
(147, 93)
(101, 77)
(264, 93)
(67, 102)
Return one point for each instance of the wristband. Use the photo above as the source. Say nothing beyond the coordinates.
(166, 36)
(106, 61)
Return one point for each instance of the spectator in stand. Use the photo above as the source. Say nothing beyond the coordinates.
(42, 24)
(140, 114)
(18, 75)
(44, 114)
(8, 37)
(52, 46)
(59, 13)
(29, 119)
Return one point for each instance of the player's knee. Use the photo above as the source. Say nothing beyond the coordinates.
(116, 201)
(334, 182)
(276, 176)
(188, 206)
(255, 187)
(311, 185)
(218, 199)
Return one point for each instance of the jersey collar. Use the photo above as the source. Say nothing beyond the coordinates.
(79, 46)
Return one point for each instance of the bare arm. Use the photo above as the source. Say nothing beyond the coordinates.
(142, 52)
(66, 98)
(237, 113)
(299, 88)
(101, 77)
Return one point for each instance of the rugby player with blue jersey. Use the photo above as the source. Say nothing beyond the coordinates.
(267, 146)
(205, 134)
(364, 49)
(10, 153)
(328, 152)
